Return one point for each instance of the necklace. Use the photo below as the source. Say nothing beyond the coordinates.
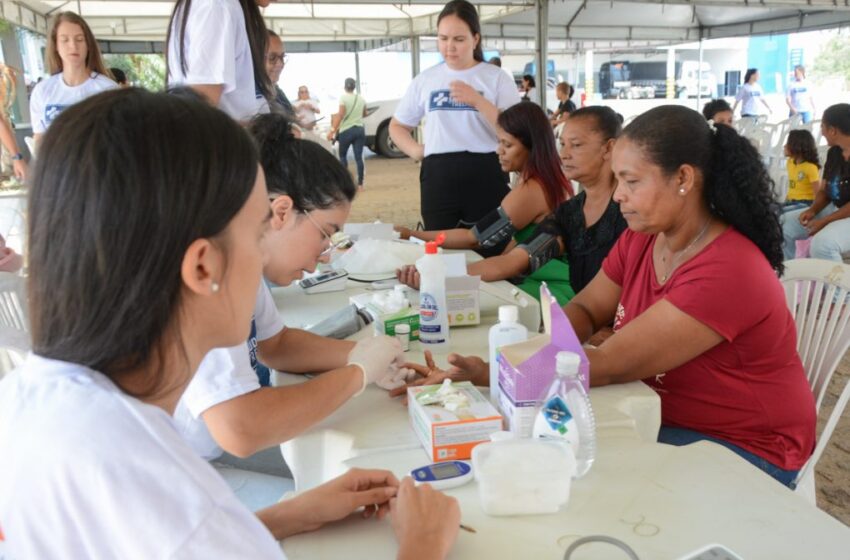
(675, 261)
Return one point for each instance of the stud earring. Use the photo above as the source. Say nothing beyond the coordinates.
(681, 191)
(214, 287)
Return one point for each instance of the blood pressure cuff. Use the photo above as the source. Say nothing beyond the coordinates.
(493, 229)
(541, 247)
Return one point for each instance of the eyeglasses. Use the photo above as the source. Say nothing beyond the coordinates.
(334, 241)
(275, 58)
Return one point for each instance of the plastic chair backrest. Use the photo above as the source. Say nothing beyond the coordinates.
(14, 315)
(818, 295)
(30, 142)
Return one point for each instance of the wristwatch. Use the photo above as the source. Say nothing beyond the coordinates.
(18, 157)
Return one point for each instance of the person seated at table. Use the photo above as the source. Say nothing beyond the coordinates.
(229, 405)
(122, 309)
(719, 111)
(526, 146)
(587, 140)
(827, 220)
(699, 313)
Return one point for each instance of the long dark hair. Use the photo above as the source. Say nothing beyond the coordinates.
(749, 74)
(528, 123)
(255, 27)
(94, 60)
(737, 188)
(801, 145)
(310, 175)
(125, 181)
(715, 106)
(466, 12)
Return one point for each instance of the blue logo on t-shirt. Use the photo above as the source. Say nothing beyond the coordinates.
(441, 100)
(263, 373)
(52, 111)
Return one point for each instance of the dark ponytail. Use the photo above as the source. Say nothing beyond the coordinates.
(737, 187)
(301, 169)
(466, 12)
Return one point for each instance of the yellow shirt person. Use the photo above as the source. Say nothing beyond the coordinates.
(801, 180)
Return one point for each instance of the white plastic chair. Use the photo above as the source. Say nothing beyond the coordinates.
(30, 142)
(14, 320)
(817, 292)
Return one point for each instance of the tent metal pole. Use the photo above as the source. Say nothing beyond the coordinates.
(699, 74)
(415, 50)
(541, 29)
(357, 66)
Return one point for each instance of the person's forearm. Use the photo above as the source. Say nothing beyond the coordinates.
(489, 111)
(581, 320)
(270, 416)
(7, 138)
(403, 139)
(500, 267)
(840, 214)
(821, 200)
(285, 519)
(458, 238)
(299, 351)
(417, 552)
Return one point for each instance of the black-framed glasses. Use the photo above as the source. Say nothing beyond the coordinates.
(274, 58)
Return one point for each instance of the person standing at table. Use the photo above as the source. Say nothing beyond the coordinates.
(229, 405)
(99, 470)
(799, 98)
(751, 95)
(348, 128)
(461, 180)
(218, 48)
(76, 68)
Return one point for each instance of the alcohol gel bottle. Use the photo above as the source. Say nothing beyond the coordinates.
(433, 314)
(565, 412)
(506, 331)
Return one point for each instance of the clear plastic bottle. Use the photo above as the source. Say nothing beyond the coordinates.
(433, 314)
(507, 331)
(565, 412)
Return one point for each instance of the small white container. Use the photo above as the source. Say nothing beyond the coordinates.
(523, 476)
(402, 333)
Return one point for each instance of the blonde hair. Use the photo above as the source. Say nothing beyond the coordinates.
(94, 60)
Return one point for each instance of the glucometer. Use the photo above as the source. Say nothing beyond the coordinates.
(331, 281)
(442, 476)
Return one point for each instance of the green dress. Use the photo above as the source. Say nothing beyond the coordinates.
(556, 273)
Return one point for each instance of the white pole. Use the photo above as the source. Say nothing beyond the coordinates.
(671, 73)
(699, 77)
(588, 77)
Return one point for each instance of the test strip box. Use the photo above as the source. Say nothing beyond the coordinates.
(451, 435)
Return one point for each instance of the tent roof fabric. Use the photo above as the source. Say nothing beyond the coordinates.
(582, 21)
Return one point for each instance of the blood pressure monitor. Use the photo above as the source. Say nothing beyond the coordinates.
(441, 476)
(331, 281)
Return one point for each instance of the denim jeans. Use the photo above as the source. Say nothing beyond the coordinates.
(807, 116)
(790, 205)
(829, 243)
(683, 436)
(355, 137)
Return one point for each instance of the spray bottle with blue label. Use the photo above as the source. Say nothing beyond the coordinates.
(433, 313)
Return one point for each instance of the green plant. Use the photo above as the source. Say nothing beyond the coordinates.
(143, 70)
(833, 61)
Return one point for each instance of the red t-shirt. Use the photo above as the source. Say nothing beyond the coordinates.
(750, 389)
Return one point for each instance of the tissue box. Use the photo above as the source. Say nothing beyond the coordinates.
(526, 369)
(451, 435)
(385, 322)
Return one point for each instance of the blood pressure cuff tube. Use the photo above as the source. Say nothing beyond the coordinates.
(494, 228)
(542, 247)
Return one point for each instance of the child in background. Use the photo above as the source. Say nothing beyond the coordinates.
(803, 170)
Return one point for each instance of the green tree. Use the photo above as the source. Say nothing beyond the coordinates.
(143, 70)
(833, 61)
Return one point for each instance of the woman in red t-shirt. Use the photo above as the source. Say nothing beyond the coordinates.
(692, 287)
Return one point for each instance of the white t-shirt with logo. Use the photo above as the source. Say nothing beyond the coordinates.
(217, 52)
(52, 96)
(224, 374)
(450, 126)
(750, 95)
(801, 96)
(90, 472)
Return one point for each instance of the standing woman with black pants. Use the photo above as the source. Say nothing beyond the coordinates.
(461, 179)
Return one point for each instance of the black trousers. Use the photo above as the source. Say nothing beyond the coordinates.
(459, 188)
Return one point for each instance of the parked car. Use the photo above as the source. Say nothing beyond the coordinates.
(377, 122)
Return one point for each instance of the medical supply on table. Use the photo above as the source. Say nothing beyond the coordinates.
(527, 368)
(523, 476)
(450, 419)
(463, 300)
(506, 331)
(394, 379)
(389, 309)
(330, 281)
(433, 312)
(402, 333)
(342, 324)
(442, 476)
(565, 412)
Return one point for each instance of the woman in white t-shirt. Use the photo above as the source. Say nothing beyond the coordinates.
(218, 48)
(229, 404)
(799, 98)
(751, 95)
(123, 306)
(461, 179)
(76, 68)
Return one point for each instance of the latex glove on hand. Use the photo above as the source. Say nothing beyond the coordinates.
(377, 357)
(397, 379)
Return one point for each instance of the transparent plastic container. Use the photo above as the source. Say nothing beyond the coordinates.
(523, 476)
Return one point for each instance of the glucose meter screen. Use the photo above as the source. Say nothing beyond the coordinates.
(447, 470)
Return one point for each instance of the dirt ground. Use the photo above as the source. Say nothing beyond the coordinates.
(391, 195)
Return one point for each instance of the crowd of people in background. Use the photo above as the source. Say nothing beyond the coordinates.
(210, 188)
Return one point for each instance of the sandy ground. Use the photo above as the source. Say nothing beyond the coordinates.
(392, 195)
